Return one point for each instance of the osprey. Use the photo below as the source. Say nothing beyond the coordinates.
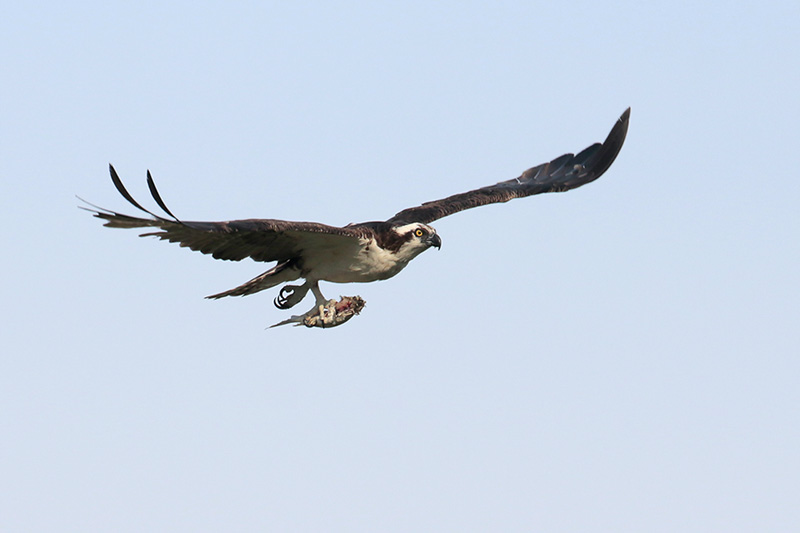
(364, 252)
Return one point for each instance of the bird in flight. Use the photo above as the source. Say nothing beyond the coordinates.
(356, 253)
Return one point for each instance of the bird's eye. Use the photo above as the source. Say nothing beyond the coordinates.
(418, 232)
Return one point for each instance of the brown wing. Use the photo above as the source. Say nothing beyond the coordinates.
(561, 174)
(259, 239)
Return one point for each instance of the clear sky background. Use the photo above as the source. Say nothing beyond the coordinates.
(622, 357)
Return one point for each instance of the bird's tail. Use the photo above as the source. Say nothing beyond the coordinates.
(282, 272)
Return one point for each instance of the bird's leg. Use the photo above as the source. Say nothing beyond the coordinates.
(320, 299)
(319, 302)
(287, 298)
(291, 295)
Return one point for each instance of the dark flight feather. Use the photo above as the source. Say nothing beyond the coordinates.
(259, 239)
(561, 174)
(157, 197)
(124, 192)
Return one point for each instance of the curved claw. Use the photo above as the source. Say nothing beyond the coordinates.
(282, 300)
(290, 295)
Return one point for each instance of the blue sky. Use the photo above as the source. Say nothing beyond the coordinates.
(622, 357)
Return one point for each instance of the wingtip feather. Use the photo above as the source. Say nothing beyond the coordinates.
(156, 196)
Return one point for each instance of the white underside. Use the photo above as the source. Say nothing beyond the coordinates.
(359, 263)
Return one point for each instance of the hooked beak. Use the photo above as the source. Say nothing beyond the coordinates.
(435, 240)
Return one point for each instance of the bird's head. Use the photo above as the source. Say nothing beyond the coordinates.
(415, 238)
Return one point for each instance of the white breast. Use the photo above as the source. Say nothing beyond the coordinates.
(359, 263)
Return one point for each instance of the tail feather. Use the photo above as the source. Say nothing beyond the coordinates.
(280, 273)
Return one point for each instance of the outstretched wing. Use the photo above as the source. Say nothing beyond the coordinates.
(561, 174)
(258, 239)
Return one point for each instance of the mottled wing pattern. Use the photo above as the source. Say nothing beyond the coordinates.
(561, 174)
(259, 239)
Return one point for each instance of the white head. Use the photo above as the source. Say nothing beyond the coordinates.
(413, 239)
